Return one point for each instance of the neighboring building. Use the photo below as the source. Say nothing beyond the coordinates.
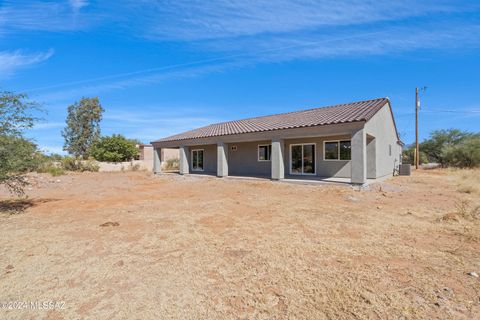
(356, 140)
(146, 155)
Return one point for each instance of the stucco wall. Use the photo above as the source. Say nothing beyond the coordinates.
(244, 161)
(209, 158)
(325, 168)
(382, 127)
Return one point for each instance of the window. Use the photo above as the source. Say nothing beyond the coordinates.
(197, 160)
(390, 150)
(302, 158)
(264, 152)
(345, 150)
(331, 150)
(337, 150)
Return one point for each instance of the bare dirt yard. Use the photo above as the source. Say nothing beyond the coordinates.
(135, 246)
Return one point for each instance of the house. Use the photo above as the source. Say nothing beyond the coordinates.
(356, 140)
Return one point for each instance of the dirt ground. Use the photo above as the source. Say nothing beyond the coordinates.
(135, 246)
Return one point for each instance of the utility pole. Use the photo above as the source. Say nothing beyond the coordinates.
(417, 152)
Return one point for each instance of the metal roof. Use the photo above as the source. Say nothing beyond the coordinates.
(341, 113)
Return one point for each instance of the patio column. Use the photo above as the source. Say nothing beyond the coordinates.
(359, 157)
(183, 160)
(222, 161)
(278, 166)
(157, 160)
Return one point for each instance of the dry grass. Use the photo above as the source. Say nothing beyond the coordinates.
(468, 180)
(118, 246)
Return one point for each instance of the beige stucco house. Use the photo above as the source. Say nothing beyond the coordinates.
(358, 141)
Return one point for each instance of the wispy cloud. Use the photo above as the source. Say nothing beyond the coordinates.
(244, 33)
(11, 61)
(48, 125)
(348, 42)
(200, 20)
(45, 15)
(139, 79)
(78, 4)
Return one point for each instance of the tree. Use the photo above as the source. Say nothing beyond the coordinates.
(465, 154)
(83, 126)
(439, 140)
(116, 148)
(17, 154)
(409, 155)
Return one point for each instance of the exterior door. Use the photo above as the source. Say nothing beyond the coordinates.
(197, 160)
(302, 159)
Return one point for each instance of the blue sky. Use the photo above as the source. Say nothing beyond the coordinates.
(162, 67)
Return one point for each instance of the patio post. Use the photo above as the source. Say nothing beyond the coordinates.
(157, 160)
(183, 160)
(359, 157)
(222, 161)
(277, 156)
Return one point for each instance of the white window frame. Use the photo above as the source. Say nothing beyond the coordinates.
(338, 147)
(314, 162)
(258, 152)
(203, 160)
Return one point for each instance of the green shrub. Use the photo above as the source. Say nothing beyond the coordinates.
(465, 154)
(89, 165)
(115, 148)
(408, 156)
(18, 156)
(53, 167)
(72, 164)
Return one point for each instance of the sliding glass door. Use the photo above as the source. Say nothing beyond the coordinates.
(197, 160)
(302, 159)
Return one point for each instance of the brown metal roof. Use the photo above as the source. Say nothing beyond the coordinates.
(342, 113)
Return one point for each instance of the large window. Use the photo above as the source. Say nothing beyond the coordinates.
(197, 160)
(302, 158)
(264, 152)
(337, 150)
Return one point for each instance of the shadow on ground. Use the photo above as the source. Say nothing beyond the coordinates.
(15, 206)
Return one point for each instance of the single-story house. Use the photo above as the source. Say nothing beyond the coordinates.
(358, 141)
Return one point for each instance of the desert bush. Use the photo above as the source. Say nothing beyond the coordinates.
(18, 156)
(73, 164)
(465, 154)
(115, 148)
(408, 156)
(52, 167)
(172, 164)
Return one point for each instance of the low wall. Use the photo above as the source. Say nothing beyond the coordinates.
(125, 166)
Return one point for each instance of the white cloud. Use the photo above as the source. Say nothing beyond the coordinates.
(48, 125)
(45, 16)
(78, 4)
(11, 61)
(214, 19)
(52, 149)
(347, 42)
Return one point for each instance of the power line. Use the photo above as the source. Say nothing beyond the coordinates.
(450, 111)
